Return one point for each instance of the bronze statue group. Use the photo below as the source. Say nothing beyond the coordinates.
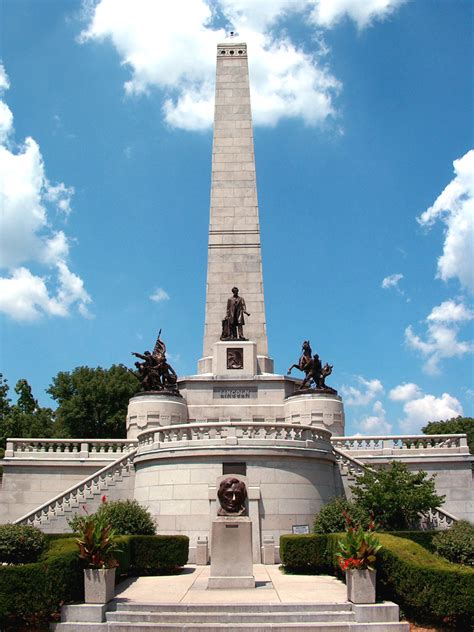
(155, 374)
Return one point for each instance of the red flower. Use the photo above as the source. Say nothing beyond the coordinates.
(104, 498)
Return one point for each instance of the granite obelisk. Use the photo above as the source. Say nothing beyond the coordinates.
(234, 255)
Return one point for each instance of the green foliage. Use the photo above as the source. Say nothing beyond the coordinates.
(358, 548)
(158, 554)
(92, 402)
(331, 519)
(457, 543)
(396, 496)
(127, 517)
(20, 544)
(26, 418)
(31, 594)
(97, 541)
(455, 425)
(426, 587)
(306, 553)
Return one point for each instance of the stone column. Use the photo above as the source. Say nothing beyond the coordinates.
(234, 256)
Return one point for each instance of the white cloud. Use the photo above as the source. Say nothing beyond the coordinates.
(364, 12)
(362, 396)
(450, 312)
(171, 46)
(392, 281)
(404, 392)
(377, 423)
(4, 80)
(419, 412)
(441, 339)
(159, 295)
(455, 208)
(28, 235)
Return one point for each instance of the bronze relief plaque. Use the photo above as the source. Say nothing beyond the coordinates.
(235, 358)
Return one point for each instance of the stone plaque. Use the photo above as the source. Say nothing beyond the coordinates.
(235, 392)
(235, 358)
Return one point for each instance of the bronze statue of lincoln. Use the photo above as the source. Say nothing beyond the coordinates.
(232, 325)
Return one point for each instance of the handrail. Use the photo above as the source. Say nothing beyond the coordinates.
(351, 459)
(77, 486)
(437, 517)
(177, 428)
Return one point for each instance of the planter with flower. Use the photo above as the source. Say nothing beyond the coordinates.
(97, 547)
(356, 555)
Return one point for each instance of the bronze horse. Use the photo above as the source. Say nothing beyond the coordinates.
(304, 360)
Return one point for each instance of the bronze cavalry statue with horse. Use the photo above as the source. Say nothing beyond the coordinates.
(315, 372)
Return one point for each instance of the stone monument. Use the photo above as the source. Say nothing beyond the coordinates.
(278, 435)
(231, 538)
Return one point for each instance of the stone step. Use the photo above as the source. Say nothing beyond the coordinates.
(231, 618)
(263, 627)
(231, 607)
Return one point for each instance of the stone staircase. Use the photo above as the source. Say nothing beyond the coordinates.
(275, 617)
(115, 481)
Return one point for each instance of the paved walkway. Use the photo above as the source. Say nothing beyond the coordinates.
(272, 586)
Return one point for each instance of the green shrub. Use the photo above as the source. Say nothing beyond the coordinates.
(331, 517)
(31, 594)
(426, 587)
(457, 543)
(305, 553)
(126, 517)
(20, 544)
(396, 496)
(424, 538)
(152, 555)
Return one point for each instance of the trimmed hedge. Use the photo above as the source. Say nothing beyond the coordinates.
(154, 554)
(33, 593)
(29, 594)
(426, 587)
(20, 543)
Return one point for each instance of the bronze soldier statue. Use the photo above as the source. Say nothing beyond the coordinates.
(154, 373)
(315, 372)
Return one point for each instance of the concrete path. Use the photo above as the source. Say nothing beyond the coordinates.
(272, 586)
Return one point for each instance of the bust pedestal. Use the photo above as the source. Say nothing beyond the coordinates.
(231, 553)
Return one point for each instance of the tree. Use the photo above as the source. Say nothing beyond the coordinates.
(92, 402)
(26, 418)
(455, 425)
(396, 496)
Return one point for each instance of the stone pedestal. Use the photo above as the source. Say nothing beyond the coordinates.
(231, 553)
(235, 359)
(151, 410)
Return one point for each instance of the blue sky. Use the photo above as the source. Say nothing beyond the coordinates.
(365, 169)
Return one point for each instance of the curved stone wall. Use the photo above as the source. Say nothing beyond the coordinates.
(151, 410)
(286, 487)
(316, 409)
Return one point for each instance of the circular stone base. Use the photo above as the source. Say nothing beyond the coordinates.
(313, 391)
(165, 393)
(316, 407)
(152, 409)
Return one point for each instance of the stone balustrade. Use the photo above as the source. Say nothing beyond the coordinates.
(394, 445)
(68, 448)
(234, 433)
(81, 492)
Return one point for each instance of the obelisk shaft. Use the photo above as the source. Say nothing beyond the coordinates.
(234, 256)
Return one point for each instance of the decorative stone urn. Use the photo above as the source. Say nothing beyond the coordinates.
(99, 585)
(360, 585)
